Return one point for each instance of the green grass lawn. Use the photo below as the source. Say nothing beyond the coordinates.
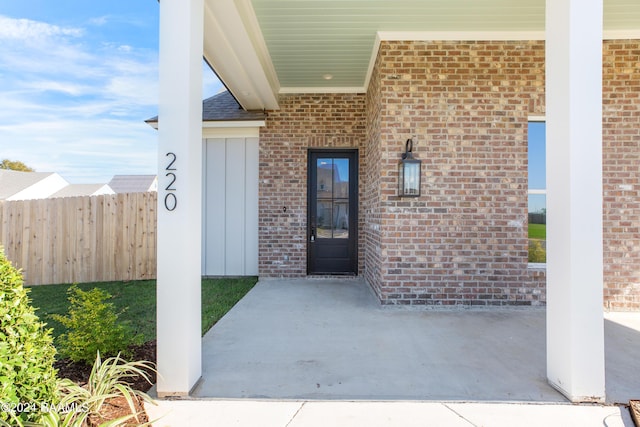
(138, 300)
(538, 231)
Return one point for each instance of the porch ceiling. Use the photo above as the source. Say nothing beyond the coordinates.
(260, 48)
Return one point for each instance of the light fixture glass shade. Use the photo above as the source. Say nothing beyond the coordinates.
(409, 177)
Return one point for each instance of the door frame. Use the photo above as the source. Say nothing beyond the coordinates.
(354, 205)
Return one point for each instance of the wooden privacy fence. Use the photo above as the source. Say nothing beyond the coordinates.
(81, 239)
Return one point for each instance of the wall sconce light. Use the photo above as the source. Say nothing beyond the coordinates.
(409, 172)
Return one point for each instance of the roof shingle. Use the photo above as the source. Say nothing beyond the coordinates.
(223, 107)
(133, 183)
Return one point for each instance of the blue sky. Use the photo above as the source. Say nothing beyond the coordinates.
(77, 80)
(79, 77)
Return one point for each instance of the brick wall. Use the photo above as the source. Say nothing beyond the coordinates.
(621, 171)
(467, 104)
(464, 241)
(303, 122)
(374, 258)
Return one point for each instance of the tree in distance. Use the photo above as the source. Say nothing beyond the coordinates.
(15, 165)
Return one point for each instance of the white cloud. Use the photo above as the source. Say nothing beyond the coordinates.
(99, 21)
(68, 88)
(133, 89)
(26, 29)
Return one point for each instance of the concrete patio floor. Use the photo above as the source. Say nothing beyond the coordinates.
(329, 339)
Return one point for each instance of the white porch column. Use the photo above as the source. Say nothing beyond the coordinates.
(575, 324)
(179, 196)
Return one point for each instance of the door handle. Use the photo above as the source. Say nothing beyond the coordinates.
(312, 238)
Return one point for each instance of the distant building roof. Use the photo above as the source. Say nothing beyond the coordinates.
(77, 190)
(13, 182)
(133, 183)
(223, 107)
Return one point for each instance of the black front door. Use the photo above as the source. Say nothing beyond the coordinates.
(332, 233)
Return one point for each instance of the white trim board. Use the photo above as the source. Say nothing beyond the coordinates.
(234, 124)
(230, 132)
(337, 89)
(248, 124)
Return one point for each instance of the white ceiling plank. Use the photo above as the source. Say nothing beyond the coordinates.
(295, 43)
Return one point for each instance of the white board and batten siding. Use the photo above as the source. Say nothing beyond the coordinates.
(230, 229)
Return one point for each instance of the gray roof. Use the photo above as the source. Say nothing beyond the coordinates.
(223, 107)
(12, 182)
(76, 190)
(131, 183)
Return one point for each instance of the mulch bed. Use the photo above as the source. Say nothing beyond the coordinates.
(118, 407)
(79, 372)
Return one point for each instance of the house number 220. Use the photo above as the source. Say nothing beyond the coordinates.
(170, 199)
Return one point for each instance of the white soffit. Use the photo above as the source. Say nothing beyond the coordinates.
(234, 48)
(260, 48)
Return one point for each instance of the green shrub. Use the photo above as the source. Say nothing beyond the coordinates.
(536, 252)
(27, 376)
(92, 327)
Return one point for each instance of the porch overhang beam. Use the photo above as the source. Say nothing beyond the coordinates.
(235, 49)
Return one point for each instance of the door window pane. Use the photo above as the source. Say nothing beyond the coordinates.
(341, 219)
(324, 216)
(340, 178)
(325, 178)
